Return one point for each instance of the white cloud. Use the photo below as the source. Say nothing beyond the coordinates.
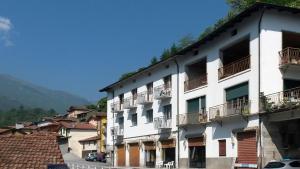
(5, 29)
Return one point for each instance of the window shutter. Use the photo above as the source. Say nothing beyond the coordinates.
(193, 105)
(237, 91)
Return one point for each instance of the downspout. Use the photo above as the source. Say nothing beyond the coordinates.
(259, 104)
(113, 157)
(177, 97)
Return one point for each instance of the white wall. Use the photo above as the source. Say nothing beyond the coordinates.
(75, 136)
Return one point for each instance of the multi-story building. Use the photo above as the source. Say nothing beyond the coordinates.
(230, 99)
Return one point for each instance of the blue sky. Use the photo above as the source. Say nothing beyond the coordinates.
(81, 46)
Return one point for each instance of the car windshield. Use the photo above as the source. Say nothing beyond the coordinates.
(275, 165)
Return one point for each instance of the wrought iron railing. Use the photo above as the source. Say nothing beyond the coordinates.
(162, 123)
(130, 102)
(240, 107)
(118, 131)
(284, 100)
(234, 67)
(117, 107)
(195, 82)
(162, 91)
(145, 97)
(289, 55)
(192, 118)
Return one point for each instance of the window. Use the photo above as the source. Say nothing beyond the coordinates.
(168, 111)
(121, 98)
(222, 148)
(134, 119)
(196, 105)
(134, 94)
(149, 116)
(83, 146)
(150, 88)
(121, 122)
(167, 81)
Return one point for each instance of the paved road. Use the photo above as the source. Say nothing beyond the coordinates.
(75, 162)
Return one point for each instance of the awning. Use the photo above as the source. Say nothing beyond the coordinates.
(150, 145)
(196, 142)
(168, 143)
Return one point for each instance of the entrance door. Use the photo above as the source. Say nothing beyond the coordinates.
(134, 155)
(247, 149)
(121, 155)
(197, 158)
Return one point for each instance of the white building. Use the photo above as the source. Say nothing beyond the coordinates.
(210, 105)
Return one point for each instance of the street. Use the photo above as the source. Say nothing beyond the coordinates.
(75, 162)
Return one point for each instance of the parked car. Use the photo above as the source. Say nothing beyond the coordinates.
(91, 157)
(283, 164)
(101, 157)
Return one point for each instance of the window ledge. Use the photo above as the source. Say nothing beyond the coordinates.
(234, 75)
(198, 88)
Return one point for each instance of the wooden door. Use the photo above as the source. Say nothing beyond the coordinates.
(134, 155)
(121, 155)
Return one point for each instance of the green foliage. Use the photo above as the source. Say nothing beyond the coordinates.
(127, 75)
(102, 104)
(153, 61)
(22, 114)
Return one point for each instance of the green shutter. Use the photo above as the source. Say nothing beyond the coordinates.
(193, 105)
(203, 102)
(237, 91)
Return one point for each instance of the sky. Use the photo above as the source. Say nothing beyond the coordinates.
(80, 46)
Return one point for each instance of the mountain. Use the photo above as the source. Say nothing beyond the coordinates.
(15, 92)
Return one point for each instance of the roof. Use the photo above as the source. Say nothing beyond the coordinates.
(72, 108)
(97, 116)
(229, 24)
(79, 125)
(90, 139)
(2, 130)
(29, 151)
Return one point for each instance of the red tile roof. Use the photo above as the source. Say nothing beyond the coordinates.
(29, 151)
(90, 139)
(80, 126)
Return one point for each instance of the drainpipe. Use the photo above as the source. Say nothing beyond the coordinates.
(113, 156)
(177, 97)
(259, 104)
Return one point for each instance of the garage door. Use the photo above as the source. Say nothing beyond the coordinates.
(121, 155)
(247, 149)
(134, 155)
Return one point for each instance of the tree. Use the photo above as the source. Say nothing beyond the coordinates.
(185, 41)
(102, 104)
(153, 61)
(165, 55)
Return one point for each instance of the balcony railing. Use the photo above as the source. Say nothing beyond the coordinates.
(192, 118)
(240, 107)
(234, 67)
(162, 92)
(162, 123)
(145, 98)
(195, 82)
(118, 131)
(289, 55)
(281, 101)
(130, 103)
(117, 107)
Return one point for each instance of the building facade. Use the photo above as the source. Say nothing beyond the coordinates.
(213, 104)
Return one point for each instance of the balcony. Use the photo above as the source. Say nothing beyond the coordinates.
(118, 131)
(130, 103)
(195, 82)
(229, 109)
(117, 107)
(289, 57)
(192, 119)
(145, 98)
(162, 123)
(162, 92)
(281, 101)
(234, 67)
